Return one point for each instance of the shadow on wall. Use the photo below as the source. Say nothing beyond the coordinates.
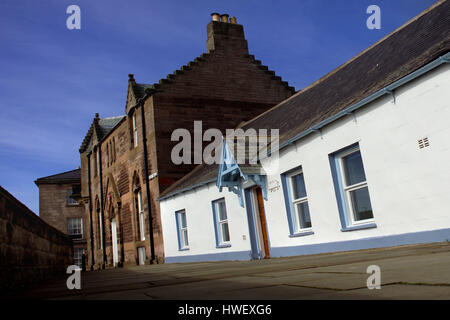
(30, 250)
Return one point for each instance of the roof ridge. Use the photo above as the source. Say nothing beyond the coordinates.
(113, 117)
(57, 174)
(326, 76)
(96, 126)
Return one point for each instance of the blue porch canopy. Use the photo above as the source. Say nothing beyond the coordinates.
(232, 175)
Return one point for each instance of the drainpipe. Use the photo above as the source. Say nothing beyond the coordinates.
(91, 234)
(101, 202)
(147, 181)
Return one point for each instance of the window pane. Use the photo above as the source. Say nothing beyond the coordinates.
(353, 168)
(141, 226)
(303, 215)
(78, 257)
(185, 237)
(298, 186)
(183, 219)
(74, 226)
(362, 209)
(225, 232)
(222, 211)
(139, 201)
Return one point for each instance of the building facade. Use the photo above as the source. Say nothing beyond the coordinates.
(361, 162)
(61, 211)
(126, 161)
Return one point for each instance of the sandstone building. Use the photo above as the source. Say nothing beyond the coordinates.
(61, 211)
(126, 160)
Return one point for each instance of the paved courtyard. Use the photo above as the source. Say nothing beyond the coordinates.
(407, 272)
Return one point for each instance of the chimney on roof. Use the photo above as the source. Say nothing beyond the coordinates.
(215, 16)
(226, 35)
(224, 17)
(97, 116)
(131, 78)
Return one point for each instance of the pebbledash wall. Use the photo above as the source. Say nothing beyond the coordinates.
(408, 185)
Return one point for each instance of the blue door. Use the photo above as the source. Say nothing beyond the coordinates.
(254, 241)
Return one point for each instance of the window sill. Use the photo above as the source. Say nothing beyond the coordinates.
(359, 227)
(183, 249)
(301, 234)
(225, 245)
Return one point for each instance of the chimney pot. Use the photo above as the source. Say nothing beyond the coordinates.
(224, 17)
(97, 115)
(215, 16)
(233, 20)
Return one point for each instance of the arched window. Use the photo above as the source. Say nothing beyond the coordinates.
(107, 155)
(139, 208)
(114, 149)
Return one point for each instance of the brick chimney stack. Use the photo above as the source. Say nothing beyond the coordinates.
(226, 35)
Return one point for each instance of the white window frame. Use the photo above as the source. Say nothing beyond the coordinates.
(97, 155)
(347, 189)
(70, 226)
(182, 231)
(135, 131)
(141, 216)
(296, 219)
(219, 223)
(78, 256)
(100, 221)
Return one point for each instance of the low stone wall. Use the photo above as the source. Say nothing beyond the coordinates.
(30, 249)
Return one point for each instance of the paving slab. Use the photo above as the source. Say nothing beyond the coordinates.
(407, 272)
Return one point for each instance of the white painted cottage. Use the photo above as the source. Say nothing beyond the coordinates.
(364, 162)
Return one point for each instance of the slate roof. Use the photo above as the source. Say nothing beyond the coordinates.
(418, 42)
(102, 128)
(139, 89)
(72, 176)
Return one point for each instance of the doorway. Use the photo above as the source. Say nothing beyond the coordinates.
(114, 242)
(259, 239)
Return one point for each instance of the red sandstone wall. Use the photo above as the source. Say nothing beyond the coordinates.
(30, 250)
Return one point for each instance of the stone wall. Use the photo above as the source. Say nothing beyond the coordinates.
(53, 206)
(30, 250)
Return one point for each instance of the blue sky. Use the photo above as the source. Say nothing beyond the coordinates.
(53, 80)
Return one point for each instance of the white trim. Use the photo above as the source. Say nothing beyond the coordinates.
(220, 222)
(183, 231)
(348, 189)
(141, 217)
(296, 219)
(135, 131)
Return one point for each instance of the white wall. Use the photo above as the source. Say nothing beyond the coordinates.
(409, 187)
(200, 222)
